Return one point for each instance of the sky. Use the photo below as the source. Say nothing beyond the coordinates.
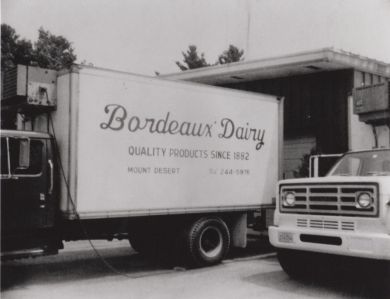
(144, 36)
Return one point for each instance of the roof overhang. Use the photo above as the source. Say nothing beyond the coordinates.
(322, 60)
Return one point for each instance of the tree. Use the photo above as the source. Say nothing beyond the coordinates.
(192, 60)
(49, 51)
(233, 54)
(53, 52)
(13, 49)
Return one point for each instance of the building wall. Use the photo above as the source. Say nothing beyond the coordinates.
(361, 135)
(293, 151)
(315, 114)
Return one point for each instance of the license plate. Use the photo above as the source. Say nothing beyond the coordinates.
(285, 237)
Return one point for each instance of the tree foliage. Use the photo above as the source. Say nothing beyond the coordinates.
(52, 51)
(192, 60)
(233, 54)
(13, 49)
(49, 51)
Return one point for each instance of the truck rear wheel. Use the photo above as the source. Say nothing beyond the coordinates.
(207, 241)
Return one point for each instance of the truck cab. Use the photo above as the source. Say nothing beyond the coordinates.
(345, 213)
(28, 194)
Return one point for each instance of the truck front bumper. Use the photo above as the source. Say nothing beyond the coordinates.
(374, 246)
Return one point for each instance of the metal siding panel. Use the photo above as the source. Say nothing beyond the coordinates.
(358, 79)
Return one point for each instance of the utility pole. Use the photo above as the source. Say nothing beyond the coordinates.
(248, 27)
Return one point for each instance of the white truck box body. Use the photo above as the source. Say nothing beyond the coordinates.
(115, 172)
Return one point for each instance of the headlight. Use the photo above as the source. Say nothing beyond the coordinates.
(364, 200)
(289, 199)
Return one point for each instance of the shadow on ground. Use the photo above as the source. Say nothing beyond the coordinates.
(77, 265)
(83, 263)
(349, 282)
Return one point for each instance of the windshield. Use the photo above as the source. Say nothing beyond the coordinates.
(363, 164)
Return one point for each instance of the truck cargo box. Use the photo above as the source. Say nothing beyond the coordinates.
(134, 145)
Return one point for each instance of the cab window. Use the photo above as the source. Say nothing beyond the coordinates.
(369, 163)
(25, 156)
(4, 156)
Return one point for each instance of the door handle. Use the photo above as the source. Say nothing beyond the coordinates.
(51, 166)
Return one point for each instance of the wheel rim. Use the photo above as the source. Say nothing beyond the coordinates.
(210, 242)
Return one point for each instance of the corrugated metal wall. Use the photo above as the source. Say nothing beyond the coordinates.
(361, 135)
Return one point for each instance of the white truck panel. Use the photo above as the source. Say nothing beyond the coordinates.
(114, 172)
(65, 126)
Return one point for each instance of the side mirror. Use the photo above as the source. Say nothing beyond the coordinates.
(24, 153)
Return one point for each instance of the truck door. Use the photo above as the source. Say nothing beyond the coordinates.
(26, 186)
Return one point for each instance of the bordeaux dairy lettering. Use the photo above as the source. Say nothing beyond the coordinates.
(119, 118)
(229, 130)
(117, 112)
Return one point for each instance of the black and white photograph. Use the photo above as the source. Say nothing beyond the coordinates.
(195, 149)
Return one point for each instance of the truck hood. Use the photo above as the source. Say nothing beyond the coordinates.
(339, 179)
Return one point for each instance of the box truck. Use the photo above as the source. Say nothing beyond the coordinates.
(173, 166)
(343, 217)
(321, 221)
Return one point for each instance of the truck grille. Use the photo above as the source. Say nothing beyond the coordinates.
(326, 224)
(334, 199)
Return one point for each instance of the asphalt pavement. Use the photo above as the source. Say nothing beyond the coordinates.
(122, 273)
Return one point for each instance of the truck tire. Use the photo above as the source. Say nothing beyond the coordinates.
(294, 263)
(207, 241)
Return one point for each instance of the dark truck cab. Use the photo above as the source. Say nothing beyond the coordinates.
(29, 201)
